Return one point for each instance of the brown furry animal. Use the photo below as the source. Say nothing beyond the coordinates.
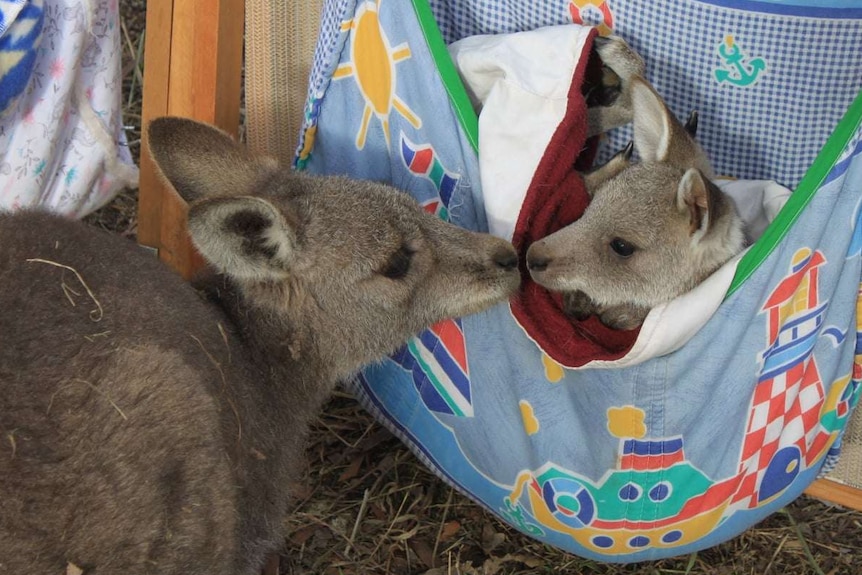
(146, 427)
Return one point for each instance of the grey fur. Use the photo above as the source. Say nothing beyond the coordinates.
(620, 64)
(681, 225)
(146, 427)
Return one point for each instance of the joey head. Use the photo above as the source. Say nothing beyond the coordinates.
(652, 231)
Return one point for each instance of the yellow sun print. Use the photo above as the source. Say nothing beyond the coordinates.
(373, 67)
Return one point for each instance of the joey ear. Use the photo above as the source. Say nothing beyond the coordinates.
(696, 197)
(659, 136)
(200, 160)
(610, 169)
(244, 237)
(691, 123)
(652, 121)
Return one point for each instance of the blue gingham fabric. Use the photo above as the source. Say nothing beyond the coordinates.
(680, 452)
(326, 55)
(771, 128)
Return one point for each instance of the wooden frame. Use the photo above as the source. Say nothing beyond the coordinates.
(193, 68)
(836, 493)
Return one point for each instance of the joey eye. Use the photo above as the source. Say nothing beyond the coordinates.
(398, 265)
(622, 248)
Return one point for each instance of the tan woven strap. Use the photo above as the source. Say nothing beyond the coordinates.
(849, 468)
(279, 46)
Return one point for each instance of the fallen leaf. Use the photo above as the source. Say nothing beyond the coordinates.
(302, 535)
(299, 490)
(378, 512)
(492, 565)
(423, 551)
(491, 538)
(351, 470)
(374, 439)
(407, 535)
(459, 569)
(450, 528)
(526, 560)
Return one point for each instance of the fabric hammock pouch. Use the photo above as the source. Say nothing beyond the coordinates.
(673, 438)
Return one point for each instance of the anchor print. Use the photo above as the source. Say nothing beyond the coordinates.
(739, 71)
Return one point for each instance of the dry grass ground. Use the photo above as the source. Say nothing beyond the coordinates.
(367, 507)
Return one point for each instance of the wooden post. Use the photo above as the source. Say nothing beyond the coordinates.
(193, 68)
(157, 63)
(837, 493)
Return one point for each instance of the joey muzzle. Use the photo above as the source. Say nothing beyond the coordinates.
(538, 258)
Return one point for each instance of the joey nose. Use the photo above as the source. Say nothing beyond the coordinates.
(537, 262)
(506, 259)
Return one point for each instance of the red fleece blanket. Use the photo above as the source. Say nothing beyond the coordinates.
(555, 198)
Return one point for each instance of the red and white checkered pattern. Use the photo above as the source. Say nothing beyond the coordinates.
(785, 411)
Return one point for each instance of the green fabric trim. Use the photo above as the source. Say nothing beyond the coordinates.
(801, 196)
(448, 73)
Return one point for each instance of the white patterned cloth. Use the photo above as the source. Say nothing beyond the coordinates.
(62, 145)
(20, 38)
(9, 10)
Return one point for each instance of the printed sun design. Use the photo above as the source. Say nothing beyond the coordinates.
(373, 67)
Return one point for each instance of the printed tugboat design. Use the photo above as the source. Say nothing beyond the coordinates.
(655, 497)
